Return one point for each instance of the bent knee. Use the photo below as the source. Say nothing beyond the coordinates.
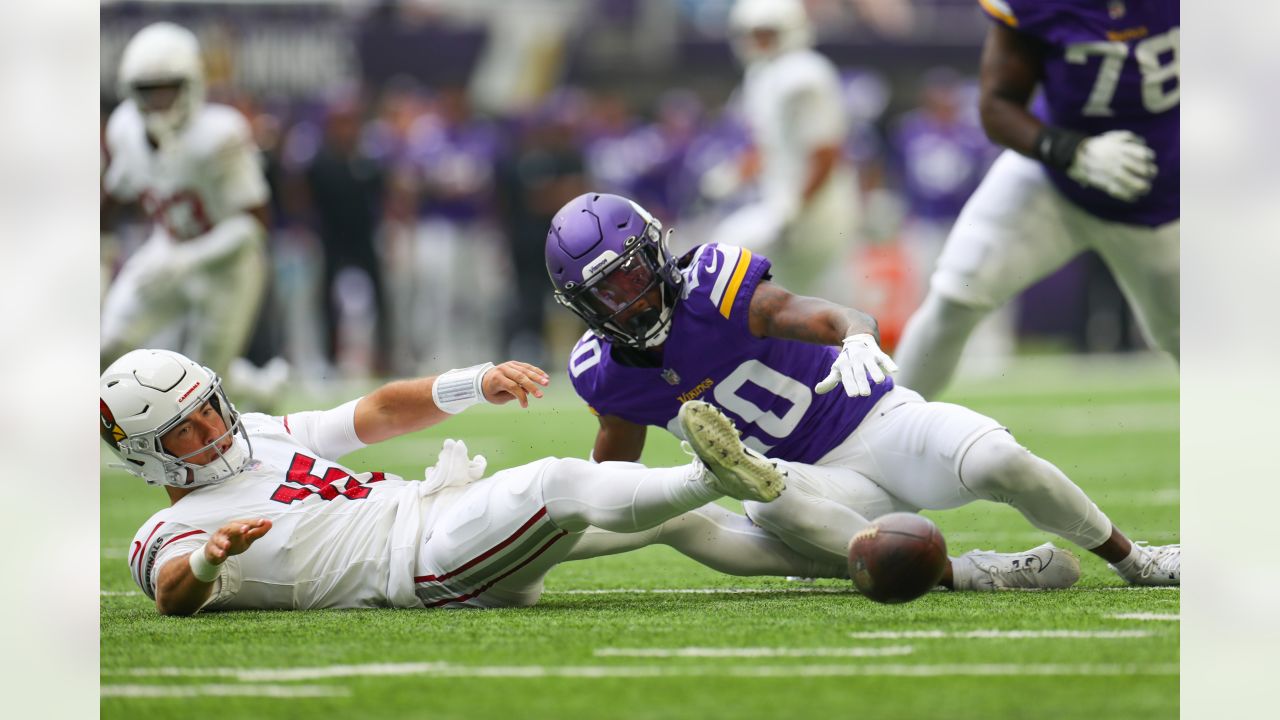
(999, 468)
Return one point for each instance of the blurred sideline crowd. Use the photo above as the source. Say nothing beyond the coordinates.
(408, 230)
(408, 227)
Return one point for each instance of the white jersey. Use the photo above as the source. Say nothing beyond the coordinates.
(793, 104)
(209, 172)
(338, 539)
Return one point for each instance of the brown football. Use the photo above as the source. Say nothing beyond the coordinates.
(900, 557)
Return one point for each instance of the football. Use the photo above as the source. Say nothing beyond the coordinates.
(900, 557)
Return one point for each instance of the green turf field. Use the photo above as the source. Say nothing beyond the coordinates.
(653, 635)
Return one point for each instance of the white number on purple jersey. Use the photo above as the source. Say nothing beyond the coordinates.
(1154, 74)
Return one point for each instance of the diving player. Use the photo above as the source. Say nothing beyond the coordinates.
(711, 326)
(1097, 170)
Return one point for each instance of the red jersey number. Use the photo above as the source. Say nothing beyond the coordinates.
(326, 486)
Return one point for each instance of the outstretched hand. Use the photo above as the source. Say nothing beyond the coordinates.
(514, 380)
(234, 538)
(859, 358)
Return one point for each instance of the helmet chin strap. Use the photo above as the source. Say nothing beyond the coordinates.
(658, 319)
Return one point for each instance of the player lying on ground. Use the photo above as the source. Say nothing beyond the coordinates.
(711, 325)
(261, 517)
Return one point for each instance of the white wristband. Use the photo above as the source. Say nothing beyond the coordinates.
(459, 389)
(204, 570)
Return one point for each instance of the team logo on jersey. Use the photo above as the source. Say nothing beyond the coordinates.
(1116, 9)
(671, 376)
(111, 432)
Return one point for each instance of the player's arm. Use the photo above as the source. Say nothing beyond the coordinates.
(1117, 162)
(776, 312)
(1008, 75)
(618, 439)
(184, 583)
(406, 406)
(822, 162)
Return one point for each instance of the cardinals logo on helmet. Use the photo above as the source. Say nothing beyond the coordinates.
(111, 432)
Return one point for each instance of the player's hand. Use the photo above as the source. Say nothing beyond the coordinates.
(514, 380)
(234, 538)
(859, 357)
(1117, 162)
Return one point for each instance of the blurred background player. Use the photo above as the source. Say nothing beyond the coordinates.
(806, 215)
(197, 282)
(1098, 169)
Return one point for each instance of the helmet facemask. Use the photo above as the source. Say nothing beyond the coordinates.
(164, 122)
(619, 283)
(145, 454)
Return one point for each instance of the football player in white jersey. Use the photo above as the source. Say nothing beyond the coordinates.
(807, 217)
(263, 517)
(197, 281)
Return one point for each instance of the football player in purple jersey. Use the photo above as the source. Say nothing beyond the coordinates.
(712, 326)
(1096, 169)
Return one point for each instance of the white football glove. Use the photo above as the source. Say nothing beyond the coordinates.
(859, 357)
(1117, 162)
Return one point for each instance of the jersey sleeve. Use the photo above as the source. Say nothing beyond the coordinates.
(118, 181)
(329, 434)
(722, 279)
(1032, 17)
(584, 370)
(236, 161)
(158, 542)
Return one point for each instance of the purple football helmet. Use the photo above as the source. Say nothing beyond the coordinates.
(606, 254)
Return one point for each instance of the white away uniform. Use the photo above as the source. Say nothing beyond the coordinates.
(341, 539)
(188, 276)
(794, 104)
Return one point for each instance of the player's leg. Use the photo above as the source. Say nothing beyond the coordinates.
(140, 304)
(226, 302)
(1145, 262)
(1009, 234)
(719, 538)
(997, 468)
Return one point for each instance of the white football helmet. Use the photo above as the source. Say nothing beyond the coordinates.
(163, 53)
(787, 18)
(145, 394)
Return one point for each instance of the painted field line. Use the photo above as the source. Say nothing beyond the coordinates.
(701, 591)
(1147, 616)
(116, 593)
(755, 652)
(186, 691)
(1000, 634)
(447, 670)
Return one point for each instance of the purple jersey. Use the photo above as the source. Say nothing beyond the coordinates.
(942, 163)
(1109, 65)
(764, 384)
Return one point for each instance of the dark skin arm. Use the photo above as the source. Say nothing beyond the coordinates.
(777, 312)
(618, 439)
(821, 162)
(1011, 65)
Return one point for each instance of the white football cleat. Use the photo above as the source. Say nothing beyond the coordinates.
(1156, 565)
(733, 469)
(1040, 567)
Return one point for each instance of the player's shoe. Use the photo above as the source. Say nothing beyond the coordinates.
(1155, 565)
(733, 468)
(1040, 567)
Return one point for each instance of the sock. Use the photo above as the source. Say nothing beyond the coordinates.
(1129, 566)
(621, 497)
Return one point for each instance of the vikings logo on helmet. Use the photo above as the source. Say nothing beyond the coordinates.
(111, 432)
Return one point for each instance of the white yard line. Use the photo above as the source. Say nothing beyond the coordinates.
(186, 691)
(440, 670)
(115, 593)
(1147, 616)
(755, 652)
(700, 591)
(1000, 634)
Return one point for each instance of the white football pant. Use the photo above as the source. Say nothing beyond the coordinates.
(1014, 230)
